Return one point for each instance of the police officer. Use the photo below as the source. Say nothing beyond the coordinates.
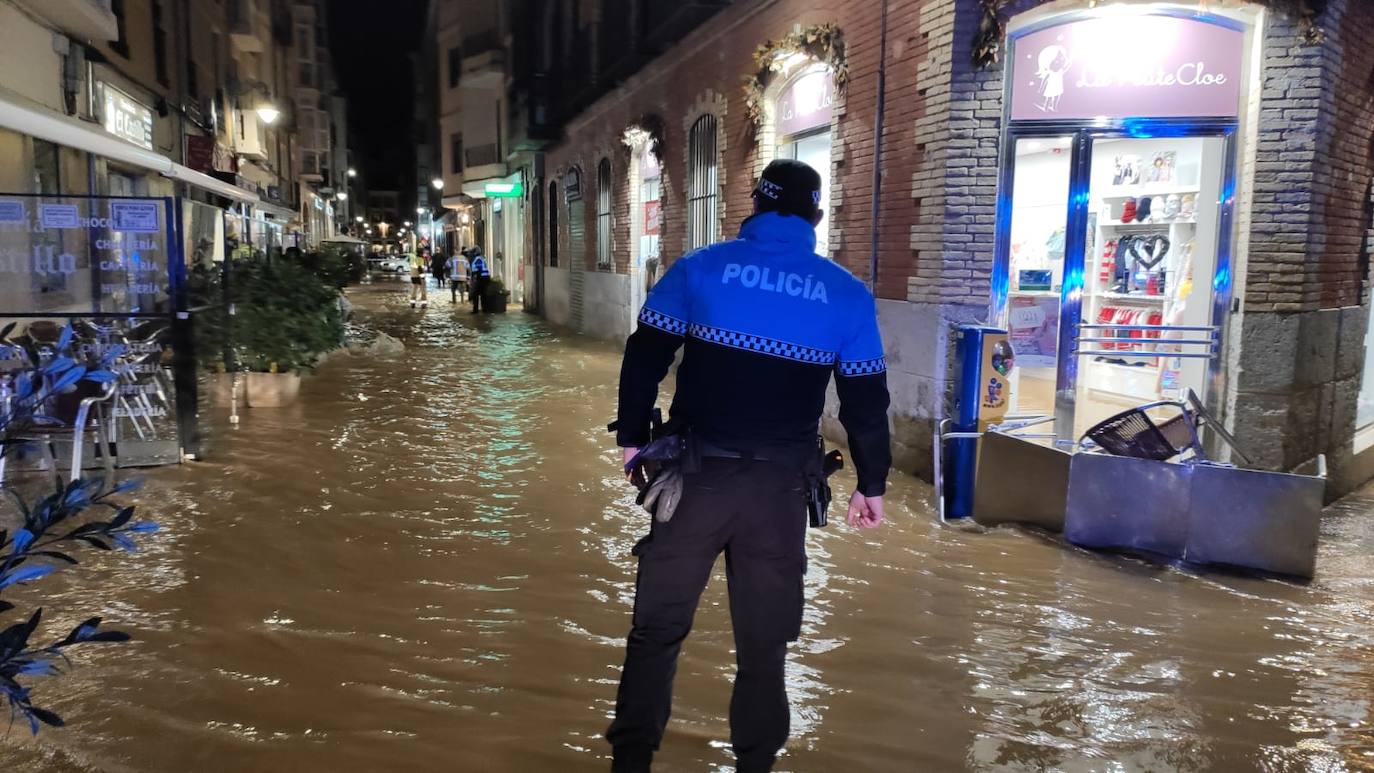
(481, 276)
(763, 323)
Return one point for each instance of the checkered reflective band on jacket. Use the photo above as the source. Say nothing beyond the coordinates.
(764, 322)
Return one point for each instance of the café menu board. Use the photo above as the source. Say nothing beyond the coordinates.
(79, 255)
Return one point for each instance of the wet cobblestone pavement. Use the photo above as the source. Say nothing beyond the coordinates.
(424, 565)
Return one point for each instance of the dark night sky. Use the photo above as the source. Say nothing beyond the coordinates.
(372, 42)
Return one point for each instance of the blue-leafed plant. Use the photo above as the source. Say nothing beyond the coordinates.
(47, 527)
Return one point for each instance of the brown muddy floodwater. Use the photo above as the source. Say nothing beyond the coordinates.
(425, 566)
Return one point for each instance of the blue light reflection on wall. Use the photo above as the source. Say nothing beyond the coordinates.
(1221, 281)
(1147, 128)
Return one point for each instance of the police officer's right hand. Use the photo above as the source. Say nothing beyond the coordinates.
(864, 512)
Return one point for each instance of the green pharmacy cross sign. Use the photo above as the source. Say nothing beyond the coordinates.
(504, 190)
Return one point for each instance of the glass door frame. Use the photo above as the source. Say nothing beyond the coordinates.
(1083, 134)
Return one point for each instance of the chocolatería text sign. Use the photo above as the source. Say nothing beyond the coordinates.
(1127, 65)
(84, 255)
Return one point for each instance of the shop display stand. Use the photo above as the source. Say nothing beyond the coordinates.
(1137, 378)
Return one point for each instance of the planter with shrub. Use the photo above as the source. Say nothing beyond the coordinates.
(496, 296)
(286, 317)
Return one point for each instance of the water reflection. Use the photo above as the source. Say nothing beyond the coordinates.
(425, 566)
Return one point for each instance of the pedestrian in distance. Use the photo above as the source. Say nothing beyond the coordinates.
(763, 323)
(419, 292)
(438, 265)
(458, 274)
(479, 277)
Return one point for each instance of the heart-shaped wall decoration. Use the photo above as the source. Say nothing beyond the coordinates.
(1149, 251)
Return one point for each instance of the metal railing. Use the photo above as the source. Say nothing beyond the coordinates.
(1148, 341)
(1008, 424)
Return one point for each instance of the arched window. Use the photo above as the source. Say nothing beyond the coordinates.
(553, 224)
(702, 189)
(603, 214)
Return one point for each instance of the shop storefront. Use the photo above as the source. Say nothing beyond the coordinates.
(505, 237)
(1114, 265)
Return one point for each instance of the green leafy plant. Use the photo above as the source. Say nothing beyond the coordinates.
(286, 315)
(49, 527)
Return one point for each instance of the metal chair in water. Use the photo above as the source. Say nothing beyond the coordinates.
(1137, 434)
(72, 409)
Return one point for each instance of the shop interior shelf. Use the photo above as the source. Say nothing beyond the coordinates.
(1134, 297)
(1136, 191)
(1146, 226)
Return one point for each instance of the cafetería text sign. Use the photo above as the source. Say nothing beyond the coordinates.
(1128, 65)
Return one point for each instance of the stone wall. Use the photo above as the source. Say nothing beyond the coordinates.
(1303, 327)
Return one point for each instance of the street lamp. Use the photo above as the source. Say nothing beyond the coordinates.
(268, 113)
(358, 219)
(407, 224)
(352, 172)
(341, 196)
(438, 183)
(419, 210)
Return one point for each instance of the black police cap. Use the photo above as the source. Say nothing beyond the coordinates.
(789, 187)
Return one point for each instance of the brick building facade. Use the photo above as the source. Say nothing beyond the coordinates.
(1292, 332)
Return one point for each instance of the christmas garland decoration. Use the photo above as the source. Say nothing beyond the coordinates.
(647, 128)
(822, 42)
(987, 46)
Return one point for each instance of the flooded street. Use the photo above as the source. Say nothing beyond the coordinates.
(425, 566)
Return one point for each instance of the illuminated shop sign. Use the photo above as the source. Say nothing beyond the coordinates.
(1128, 66)
(126, 118)
(806, 103)
(503, 190)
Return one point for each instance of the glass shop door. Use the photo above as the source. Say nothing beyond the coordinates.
(1113, 268)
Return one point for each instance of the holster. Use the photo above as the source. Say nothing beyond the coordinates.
(818, 472)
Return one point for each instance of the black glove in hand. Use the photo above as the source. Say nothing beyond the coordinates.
(663, 493)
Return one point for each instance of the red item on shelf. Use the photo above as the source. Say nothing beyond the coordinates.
(1128, 211)
(1155, 318)
(1105, 316)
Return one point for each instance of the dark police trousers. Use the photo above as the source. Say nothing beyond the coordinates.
(756, 513)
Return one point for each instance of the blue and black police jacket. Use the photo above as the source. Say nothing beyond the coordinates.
(763, 322)
(478, 266)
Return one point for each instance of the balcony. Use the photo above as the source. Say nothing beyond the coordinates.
(484, 62)
(310, 167)
(242, 30)
(249, 138)
(532, 115)
(482, 162)
(81, 19)
(307, 84)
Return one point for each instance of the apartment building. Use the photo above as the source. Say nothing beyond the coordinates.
(192, 99)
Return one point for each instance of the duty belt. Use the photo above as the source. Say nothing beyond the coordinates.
(710, 451)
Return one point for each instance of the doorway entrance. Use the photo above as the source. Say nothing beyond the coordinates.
(1117, 264)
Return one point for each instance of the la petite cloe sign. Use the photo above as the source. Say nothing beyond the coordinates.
(1127, 66)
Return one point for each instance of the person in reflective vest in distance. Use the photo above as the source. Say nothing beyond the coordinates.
(458, 275)
(763, 323)
(419, 291)
(481, 277)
